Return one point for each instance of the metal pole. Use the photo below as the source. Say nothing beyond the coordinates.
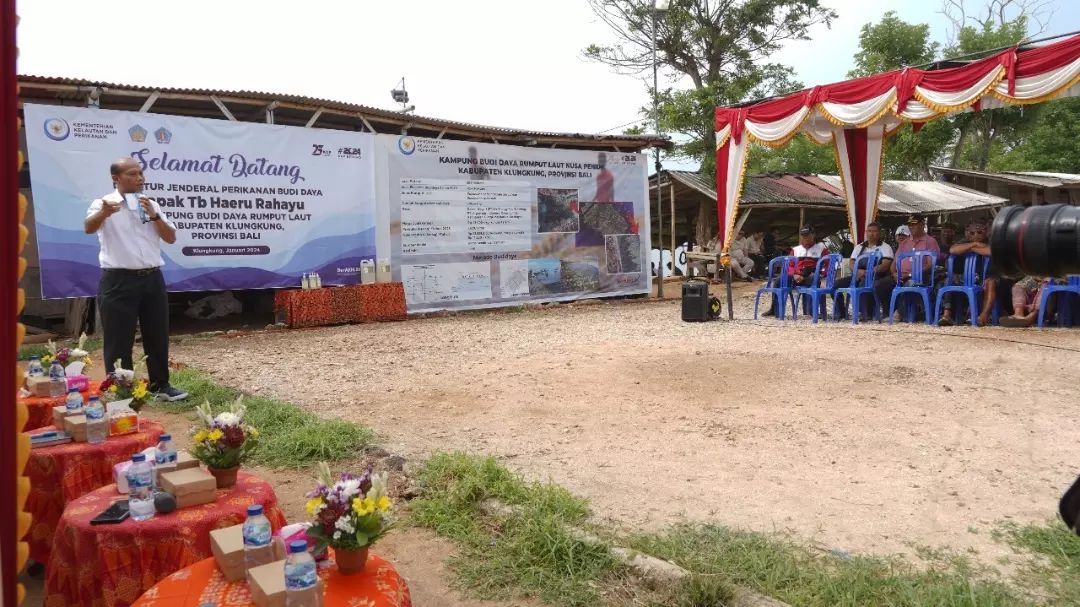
(659, 190)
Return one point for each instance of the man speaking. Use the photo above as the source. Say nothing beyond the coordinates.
(130, 228)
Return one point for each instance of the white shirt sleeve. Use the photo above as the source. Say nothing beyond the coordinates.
(856, 251)
(94, 207)
(886, 251)
(160, 213)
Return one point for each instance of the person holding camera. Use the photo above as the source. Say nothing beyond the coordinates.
(130, 228)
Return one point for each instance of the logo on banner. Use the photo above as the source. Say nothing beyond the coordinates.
(137, 134)
(406, 144)
(349, 153)
(318, 149)
(163, 135)
(57, 129)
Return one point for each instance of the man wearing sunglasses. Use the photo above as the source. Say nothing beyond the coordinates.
(976, 240)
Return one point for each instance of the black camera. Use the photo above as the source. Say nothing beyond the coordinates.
(1037, 241)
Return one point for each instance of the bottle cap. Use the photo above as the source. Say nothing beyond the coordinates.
(94, 398)
(138, 457)
(255, 510)
(165, 437)
(75, 390)
(35, 358)
(297, 546)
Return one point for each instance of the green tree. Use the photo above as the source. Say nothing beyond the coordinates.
(800, 155)
(722, 48)
(1051, 144)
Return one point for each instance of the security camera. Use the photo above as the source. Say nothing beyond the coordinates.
(400, 95)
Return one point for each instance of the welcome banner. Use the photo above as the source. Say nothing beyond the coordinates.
(476, 225)
(256, 206)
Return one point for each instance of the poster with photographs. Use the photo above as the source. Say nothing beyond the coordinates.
(477, 225)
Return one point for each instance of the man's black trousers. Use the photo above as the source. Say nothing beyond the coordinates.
(129, 296)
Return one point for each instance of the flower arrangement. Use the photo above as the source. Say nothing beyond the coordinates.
(350, 512)
(66, 356)
(223, 441)
(127, 383)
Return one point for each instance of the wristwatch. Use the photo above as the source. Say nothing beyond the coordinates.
(155, 218)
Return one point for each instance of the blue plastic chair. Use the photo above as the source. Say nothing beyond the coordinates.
(969, 285)
(923, 280)
(1071, 287)
(855, 292)
(823, 285)
(782, 291)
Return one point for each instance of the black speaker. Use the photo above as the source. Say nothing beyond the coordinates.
(695, 301)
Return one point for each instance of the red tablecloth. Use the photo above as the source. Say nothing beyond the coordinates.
(60, 474)
(378, 585)
(40, 408)
(341, 305)
(112, 565)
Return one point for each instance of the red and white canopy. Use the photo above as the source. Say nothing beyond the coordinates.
(857, 116)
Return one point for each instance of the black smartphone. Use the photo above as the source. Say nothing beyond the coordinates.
(112, 515)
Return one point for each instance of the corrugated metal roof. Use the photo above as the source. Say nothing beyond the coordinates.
(897, 197)
(1030, 178)
(315, 103)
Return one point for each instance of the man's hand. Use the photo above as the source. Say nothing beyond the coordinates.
(146, 205)
(93, 222)
(861, 273)
(108, 208)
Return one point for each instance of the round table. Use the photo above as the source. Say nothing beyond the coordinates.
(378, 585)
(111, 565)
(61, 473)
(39, 409)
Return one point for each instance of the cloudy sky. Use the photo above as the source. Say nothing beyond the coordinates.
(510, 63)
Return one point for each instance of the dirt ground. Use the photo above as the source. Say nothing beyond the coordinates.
(868, 438)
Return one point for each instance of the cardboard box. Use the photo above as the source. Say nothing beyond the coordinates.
(185, 460)
(268, 587)
(43, 387)
(191, 487)
(227, 544)
(59, 414)
(75, 426)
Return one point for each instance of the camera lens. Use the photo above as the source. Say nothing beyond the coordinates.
(1037, 241)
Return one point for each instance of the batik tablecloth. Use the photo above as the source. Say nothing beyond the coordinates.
(112, 565)
(40, 408)
(341, 305)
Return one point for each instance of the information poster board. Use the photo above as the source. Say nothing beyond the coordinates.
(256, 206)
(474, 225)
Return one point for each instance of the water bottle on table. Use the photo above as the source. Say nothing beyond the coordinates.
(34, 369)
(97, 427)
(165, 453)
(57, 379)
(257, 532)
(300, 577)
(140, 493)
(74, 402)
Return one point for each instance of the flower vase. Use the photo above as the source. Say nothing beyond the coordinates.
(225, 477)
(350, 562)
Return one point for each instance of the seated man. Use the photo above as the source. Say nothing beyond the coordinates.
(883, 270)
(914, 238)
(808, 252)
(755, 247)
(741, 264)
(1026, 294)
(976, 240)
(702, 266)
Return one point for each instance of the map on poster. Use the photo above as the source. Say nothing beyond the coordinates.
(477, 225)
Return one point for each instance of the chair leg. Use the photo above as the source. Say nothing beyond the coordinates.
(892, 307)
(926, 306)
(1042, 307)
(937, 308)
(757, 300)
(973, 308)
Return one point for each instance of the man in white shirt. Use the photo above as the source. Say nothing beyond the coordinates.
(132, 287)
(741, 264)
(873, 244)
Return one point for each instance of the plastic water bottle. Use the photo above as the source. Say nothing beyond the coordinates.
(97, 427)
(34, 369)
(300, 576)
(257, 532)
(74, 402)
(166, 453)
(140, 493)
(56, 371)
(57, 379)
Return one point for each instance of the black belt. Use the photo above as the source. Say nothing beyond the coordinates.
(127, 272)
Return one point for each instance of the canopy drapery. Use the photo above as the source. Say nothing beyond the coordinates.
(857, 116)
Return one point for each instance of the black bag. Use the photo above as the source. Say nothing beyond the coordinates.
(1069, 508)
(714, 308)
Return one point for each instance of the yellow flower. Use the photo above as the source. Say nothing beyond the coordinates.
(139, 391)
(253, 433)
(200, 436)
(215, 435)
(87, 361)
(46, 360)
(313, 505)
(114, 388)
(364, 506)
(383, 504)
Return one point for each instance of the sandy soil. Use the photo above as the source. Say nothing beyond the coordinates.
(867, 438)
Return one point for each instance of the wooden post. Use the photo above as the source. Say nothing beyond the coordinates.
(671, 197)
(730, 299)
(802, 218)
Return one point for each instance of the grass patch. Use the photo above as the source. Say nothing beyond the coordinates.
(527, 553)
(793, 573)
(290, 436)
(30, 350)
(93, 344)
(1051, 566)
